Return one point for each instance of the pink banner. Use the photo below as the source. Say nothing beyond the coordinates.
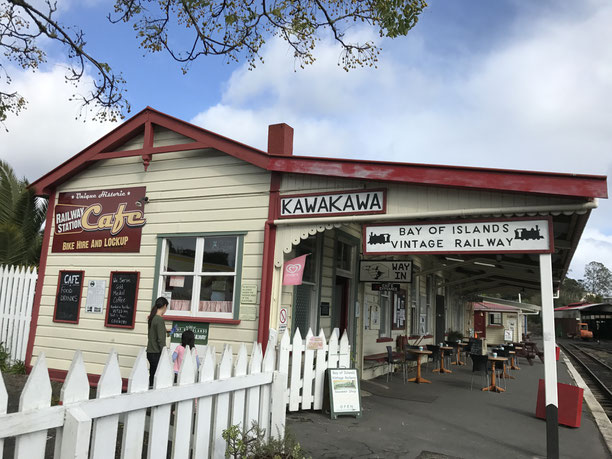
(293, 270)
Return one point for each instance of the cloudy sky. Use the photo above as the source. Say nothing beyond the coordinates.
(506, 83)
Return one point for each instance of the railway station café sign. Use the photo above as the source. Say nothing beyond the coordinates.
(467, 236)
(108, 220)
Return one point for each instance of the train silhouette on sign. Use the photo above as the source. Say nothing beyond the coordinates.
(525, 234)
(379, 238)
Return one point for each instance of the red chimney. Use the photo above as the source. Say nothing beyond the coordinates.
(280, 139)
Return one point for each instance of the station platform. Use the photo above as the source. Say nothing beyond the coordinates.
(445, 419)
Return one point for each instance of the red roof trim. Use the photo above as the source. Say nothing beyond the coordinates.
(570, 185)
(589, 186)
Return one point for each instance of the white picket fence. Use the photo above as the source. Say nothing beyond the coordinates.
(307, 366)
(17, 285)
(204, 402)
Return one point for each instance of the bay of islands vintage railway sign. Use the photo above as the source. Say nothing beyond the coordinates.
(333, 203)
(99, 220)
(491, 236)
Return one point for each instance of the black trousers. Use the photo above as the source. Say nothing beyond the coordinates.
(153, 358)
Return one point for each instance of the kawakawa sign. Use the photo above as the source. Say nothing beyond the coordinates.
(99, 220)
(334, 203)
(467, 236)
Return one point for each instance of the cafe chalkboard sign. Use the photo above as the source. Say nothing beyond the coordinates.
(122, 296)
(68, 297)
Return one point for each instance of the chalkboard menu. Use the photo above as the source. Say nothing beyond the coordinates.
(68, 298)
(122, 296)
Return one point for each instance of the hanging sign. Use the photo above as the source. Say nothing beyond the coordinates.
(334, 203)
(108, 220)
(293, 270)
(385, 271)
(469, 236)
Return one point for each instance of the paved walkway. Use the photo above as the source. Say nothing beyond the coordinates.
(446, 419)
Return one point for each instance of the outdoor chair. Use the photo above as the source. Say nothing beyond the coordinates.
(410, 357)
(480, 364)
(391, 362)
(435, 354)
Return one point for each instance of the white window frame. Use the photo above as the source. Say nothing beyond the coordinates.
(385, 315)
(197, 275)
(492, 315)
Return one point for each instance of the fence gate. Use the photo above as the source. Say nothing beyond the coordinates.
(17, 286)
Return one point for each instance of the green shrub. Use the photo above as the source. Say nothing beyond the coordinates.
(16, 368)
(454, 335)
(251, 444)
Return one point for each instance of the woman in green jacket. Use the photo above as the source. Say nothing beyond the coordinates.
(156, 336)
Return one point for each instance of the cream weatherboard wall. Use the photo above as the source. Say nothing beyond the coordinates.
(189, 192)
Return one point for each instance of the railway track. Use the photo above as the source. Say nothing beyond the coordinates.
(596, 373)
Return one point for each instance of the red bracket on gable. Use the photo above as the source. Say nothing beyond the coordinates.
(146, 160)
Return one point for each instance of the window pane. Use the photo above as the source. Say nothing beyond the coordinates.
(181, 288)
(219, 254)
(343, 256)
(181, 254)
(216, 294)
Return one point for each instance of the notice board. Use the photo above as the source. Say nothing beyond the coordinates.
(68, 297)
(122, 296)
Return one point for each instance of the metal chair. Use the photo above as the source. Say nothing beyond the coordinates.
(480, 363)
(435, 354)
(391, 362)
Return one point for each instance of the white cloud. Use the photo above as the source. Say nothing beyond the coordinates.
(539, 100)
(593, 246)
(47, 133)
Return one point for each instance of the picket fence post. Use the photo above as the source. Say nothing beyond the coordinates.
(344, 353)
(134, 425)
(203, 427)
(251, 414)
(159, 425)
(72, 440)
(320, 372)
(36, 395)
(265, 410)
(104, 438)
(221, 409)
(3, 403)
(296, 370)
(239, 396)
(184, 410)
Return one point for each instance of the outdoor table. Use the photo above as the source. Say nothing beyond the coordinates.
(458, 361)
(505, 373)
(419, 353)
(442, 369)
(514, 363)
(493, 387)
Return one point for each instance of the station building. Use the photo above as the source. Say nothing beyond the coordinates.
(160, 207)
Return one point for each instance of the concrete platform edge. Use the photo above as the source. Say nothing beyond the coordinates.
(602, 421)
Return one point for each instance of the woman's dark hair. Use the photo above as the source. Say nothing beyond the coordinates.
(159, 303)
(188, 339)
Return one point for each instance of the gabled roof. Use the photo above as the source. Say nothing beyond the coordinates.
(570, 185)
